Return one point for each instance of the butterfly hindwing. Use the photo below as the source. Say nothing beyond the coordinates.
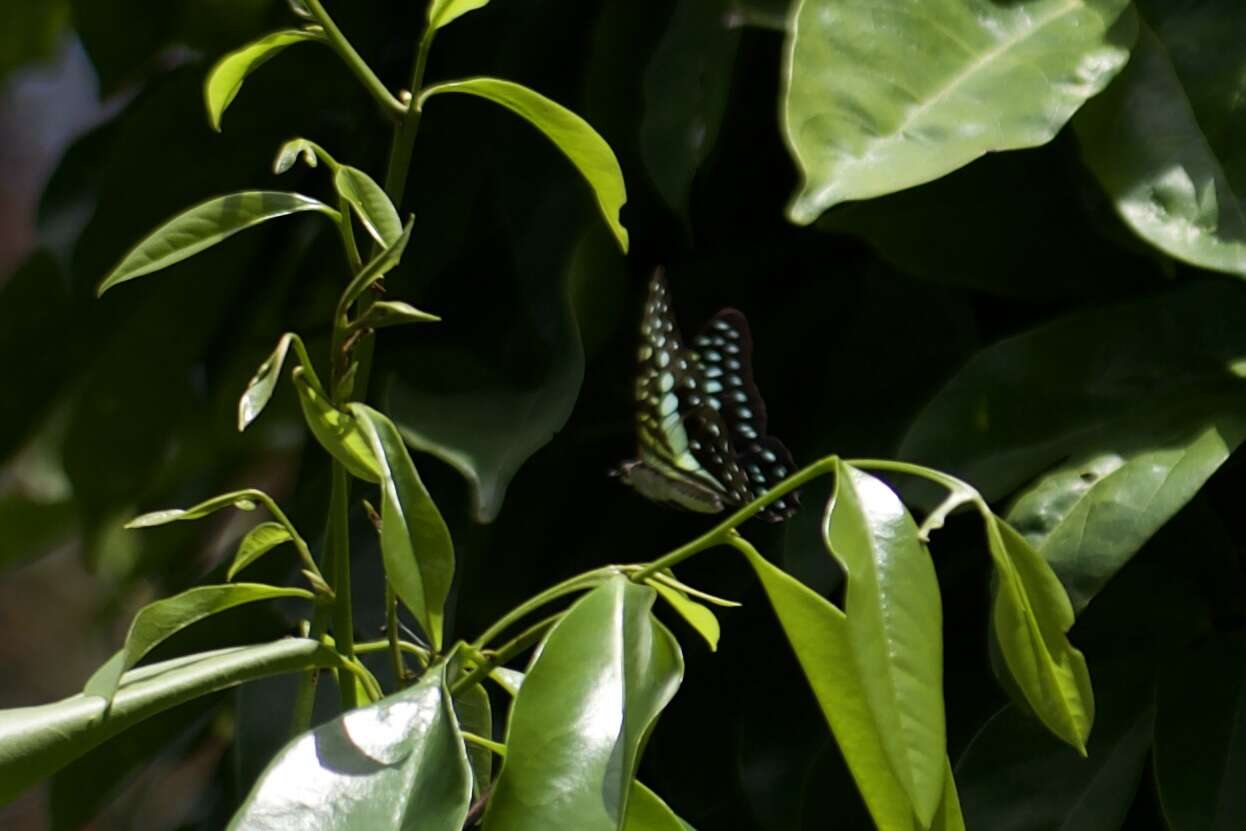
(724, 347)
(767, 462)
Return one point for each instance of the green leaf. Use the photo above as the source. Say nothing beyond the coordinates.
(35, 742)
(1091, 514)
(203, 226)
(226, 75)
(385, 313)
(260, 388)
(895, 629)
(1154, 381)
(415, 542)
(698, 617)
(157, 621)
(370, 204)
(476, 716)
(1031, 614)
(1200, 736)
(398, 763)
(441, 12)
(886, 95)
(259, 541)
(1156, 143)
(1014, 774)
(589, 700)
(242, 500)
(820, 637)
(337, 432)
(686, 86)
(647, 812)
(377, 267)
(292, 151)
(571, 134)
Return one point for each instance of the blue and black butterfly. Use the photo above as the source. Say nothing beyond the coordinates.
(700, 422)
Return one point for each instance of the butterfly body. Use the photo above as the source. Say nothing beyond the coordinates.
(700, 421)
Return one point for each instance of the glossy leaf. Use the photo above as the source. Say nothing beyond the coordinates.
(35, 742)
(1031, 616)
(571, 134)
(337, 432)
(697, 616)
(370, 204)
(476, 716)
(259, 541)
(1091, 514)
(647, 812)
(883, 96)
(441, 12)
(157, 621)
(1200, 736)
(415, 542)
(396, 764)
(579, 722)
(203, 226)
(895, 629)
(385, 313)
(260, 388)
(686, 86)
(242, 500)
(819, 635)
(1169, 169)
(226, 76)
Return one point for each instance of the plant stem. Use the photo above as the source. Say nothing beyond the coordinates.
(569, 586)
(509, 650)
(391, 631)
(356, 63)
(719, 533)
(368, 647)
(403, 145)
(339, 552)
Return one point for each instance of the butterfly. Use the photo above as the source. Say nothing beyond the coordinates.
(700, 422)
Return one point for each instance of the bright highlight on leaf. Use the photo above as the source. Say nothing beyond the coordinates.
(385, 313)
(226, 75)
(336, 431)
(885, 95)
(203, 226)
(370, 204)
(572, 135)
(242, 500)
(157, 621)
(415, 542)
(441, 12)
(698, 617)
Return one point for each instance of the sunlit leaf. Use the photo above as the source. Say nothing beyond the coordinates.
(818, 633)
(157, 621)
(590, 697)
(441, 12)
(647, 812)
(35, 742)
(697, 616)
(205, 225)
(378, 266)
(1031, 616)
(260, 388)
(385, 313)
(226, 75)
(415, 542)
(242, 500)
(886, 95)
(571, 134)
(895, 628)
(259, 541)
(370, 204)
(337, 431)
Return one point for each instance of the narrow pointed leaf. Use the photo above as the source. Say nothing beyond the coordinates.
(384, 313)
(157, 621)
(895, 628)
(378, 266)
(370, 204)
(259, 541)
(260, 388)
(819, 635)
(35, 742)
(886, 95)
(475, 715)
(415, 542)
(1031, 615)
(571, 134)
(395, 764)
(698, 617)
(226, 75)
(242, 500)
(337, 432)
(441, 12)
(205, 225)
(647, 812)
(579, 722)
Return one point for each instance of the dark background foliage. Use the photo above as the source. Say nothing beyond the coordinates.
(123, 405)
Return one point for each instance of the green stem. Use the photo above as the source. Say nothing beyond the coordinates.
(391, 631)
(510, 649)
(339, 552)
(569, 586)
(403, 145)
(488, 744)
(719, 533)
(346, 228)
(356, 63)
(368, 647)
